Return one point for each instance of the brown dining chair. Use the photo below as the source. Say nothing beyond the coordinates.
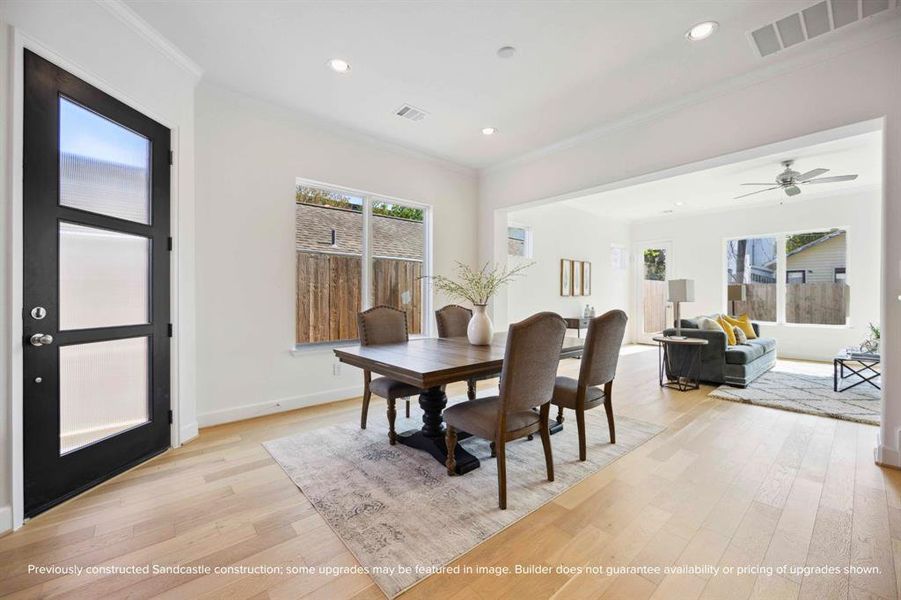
(599, 357)
(453, 321)
(384, 325)
(527, 382)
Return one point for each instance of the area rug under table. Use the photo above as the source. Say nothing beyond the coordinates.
(395, 506)
(808, 393)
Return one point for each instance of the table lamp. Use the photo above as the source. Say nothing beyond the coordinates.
(735, 294)
(680, 290)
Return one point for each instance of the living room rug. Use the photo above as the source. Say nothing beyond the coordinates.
(808, 393)
(394, 506)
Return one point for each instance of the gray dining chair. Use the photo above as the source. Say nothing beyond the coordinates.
(384, 325)
(599, 358)
(453, 321)
(527, 382)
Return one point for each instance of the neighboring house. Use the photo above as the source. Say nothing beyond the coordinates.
(331, 230)
(760, 261)
(821, 261)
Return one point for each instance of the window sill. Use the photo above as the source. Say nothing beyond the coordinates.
(320, 347)
(817, 326)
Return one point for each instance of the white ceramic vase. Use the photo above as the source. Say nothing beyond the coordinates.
(480, 329)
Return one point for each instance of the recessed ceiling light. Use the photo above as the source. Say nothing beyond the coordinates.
(506, 51)
(489, 131)
(339, 66)
(701, 31)
(667, 211)
(680, 203)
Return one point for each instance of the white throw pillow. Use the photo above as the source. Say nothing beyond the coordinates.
(708, 324)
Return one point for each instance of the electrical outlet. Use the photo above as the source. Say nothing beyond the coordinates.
(336, 369)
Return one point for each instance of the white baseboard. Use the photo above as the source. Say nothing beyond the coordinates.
(248, 411)
(886, 455)
(188, 432)
(6, 518)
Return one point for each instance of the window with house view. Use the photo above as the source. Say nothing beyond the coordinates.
(816, 288)
(519, 241)
(751, 264)
(337, 253)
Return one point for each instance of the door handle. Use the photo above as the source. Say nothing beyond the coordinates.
(41, 339)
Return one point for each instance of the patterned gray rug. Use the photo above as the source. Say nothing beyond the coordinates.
(399, 513)
(808, 393)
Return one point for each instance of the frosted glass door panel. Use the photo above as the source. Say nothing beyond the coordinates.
(103, 278)
(102, 390)
(103, 167)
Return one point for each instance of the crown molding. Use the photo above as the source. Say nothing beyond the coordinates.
(121, 11)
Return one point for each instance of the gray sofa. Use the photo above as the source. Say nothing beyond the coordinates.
(721, 363)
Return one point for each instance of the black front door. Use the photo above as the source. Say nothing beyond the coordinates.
(96, 285)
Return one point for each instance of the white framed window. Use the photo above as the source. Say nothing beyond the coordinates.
(816, 296)
(355, 250)
(812, 265)
(752, 263)
(519, 240)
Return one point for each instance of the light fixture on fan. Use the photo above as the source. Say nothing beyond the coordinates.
(790, 180)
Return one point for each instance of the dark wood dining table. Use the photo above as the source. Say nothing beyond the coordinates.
(430, 364)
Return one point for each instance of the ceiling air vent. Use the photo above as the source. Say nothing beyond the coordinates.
(813, 21)
(411, 112)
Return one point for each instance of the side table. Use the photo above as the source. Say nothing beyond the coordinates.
(686, 366)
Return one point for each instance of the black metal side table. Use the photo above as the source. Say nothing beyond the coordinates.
(865, 373)
(687, 369)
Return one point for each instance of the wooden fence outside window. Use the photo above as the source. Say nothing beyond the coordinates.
(805, 303)
(329, 294)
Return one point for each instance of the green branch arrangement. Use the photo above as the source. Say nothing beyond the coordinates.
(477, 286)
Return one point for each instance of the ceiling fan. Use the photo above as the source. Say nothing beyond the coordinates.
(789, 180)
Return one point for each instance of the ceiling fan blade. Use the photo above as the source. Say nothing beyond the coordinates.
(833, 179)
(792, 190)
(811, 174)
(757, 192)
(770, 183)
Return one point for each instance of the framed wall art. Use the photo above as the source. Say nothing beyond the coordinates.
(586, 278)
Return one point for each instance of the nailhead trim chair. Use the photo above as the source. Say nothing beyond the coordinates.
(527, 382)
(599, 358)
(453, 321)
(384, 325)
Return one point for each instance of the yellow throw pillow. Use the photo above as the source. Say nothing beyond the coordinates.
(743, 322)
(730, 335)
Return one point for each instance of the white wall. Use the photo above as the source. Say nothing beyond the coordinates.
(93, 43)
(248, 156)
(558, 232)
(699, 252)
(772, 106)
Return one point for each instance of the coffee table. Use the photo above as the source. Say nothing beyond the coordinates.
(865, 371)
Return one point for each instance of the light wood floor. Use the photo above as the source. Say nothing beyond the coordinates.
(725, 484)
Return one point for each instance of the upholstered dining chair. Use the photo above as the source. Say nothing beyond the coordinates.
(527, 382)
(384, 325)
(599, 358)
(453, 320)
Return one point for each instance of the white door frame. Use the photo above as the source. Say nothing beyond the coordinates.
(19, 41)
(638, 310)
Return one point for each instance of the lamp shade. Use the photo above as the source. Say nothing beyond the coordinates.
(736, 293)
(681, 290)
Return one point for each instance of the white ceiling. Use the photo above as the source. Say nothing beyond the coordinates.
(579, 65)
(716, 188)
